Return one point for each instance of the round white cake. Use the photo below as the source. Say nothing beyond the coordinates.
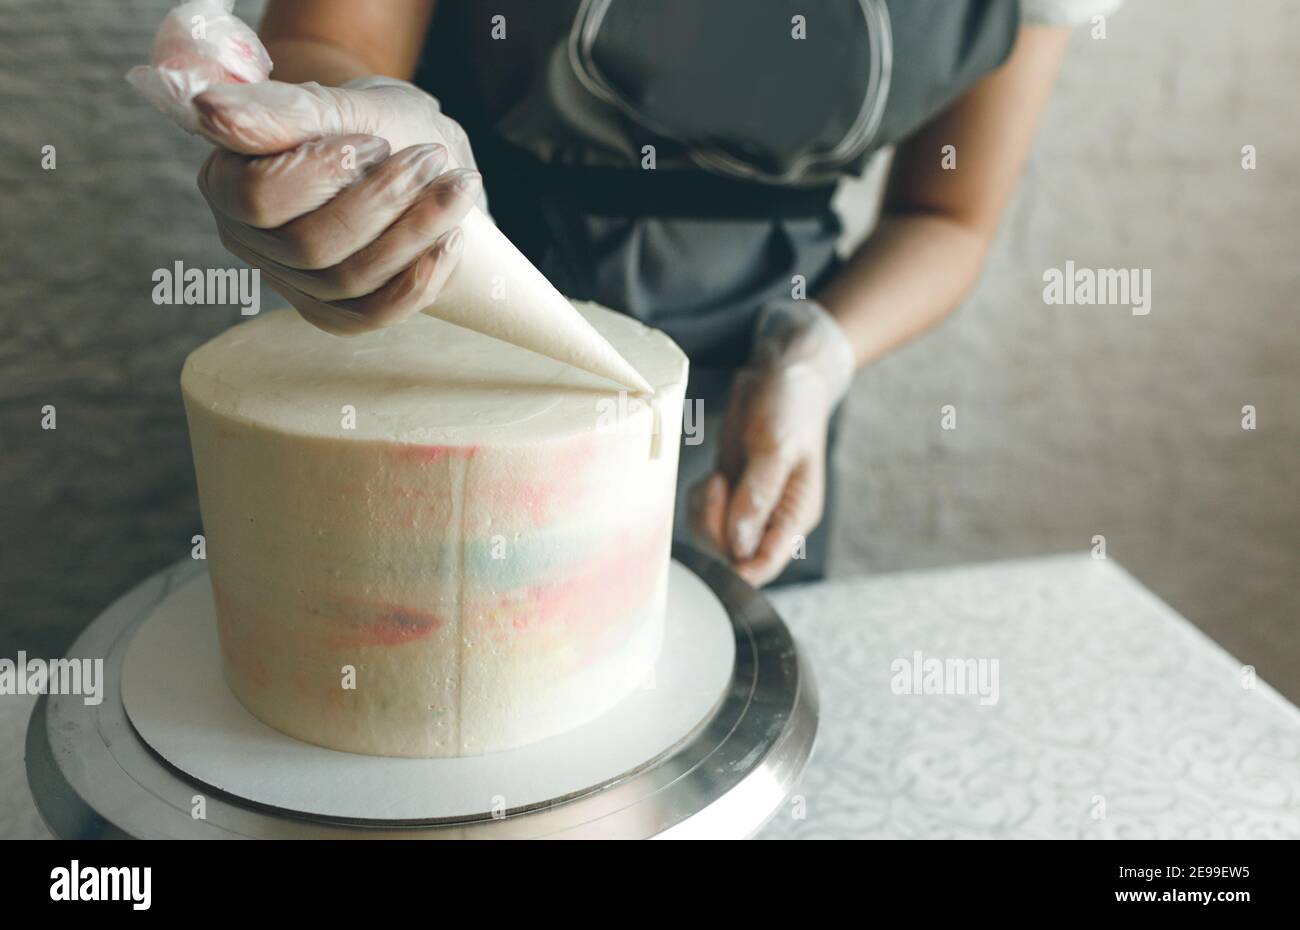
(426, 542)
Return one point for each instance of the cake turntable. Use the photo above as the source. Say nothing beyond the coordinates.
(712, 749)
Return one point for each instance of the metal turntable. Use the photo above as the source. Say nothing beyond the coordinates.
(103, 772)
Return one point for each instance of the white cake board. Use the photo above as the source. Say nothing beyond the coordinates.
(179, 704)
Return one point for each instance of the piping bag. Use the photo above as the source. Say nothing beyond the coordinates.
(493, 290)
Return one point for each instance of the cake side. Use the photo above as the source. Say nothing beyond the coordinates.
(429, 599)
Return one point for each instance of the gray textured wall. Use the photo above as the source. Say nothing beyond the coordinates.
(1072, 421)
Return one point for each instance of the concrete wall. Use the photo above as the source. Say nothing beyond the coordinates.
(1071, 421)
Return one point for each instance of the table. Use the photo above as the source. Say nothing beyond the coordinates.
(1115, 717)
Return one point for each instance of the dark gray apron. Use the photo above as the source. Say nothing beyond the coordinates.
(751, 128)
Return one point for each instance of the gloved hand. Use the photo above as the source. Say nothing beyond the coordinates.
(769, 485)
(304, 184)
(353, 236)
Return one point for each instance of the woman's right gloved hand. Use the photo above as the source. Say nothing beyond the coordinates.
(348, 199)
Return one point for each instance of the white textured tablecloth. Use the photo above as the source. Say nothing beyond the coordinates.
(1115, 717)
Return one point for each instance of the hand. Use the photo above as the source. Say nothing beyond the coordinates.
(304, 187)
(769, 486)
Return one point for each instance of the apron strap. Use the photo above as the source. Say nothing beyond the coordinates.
(633, 193)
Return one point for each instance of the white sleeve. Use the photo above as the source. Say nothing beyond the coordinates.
(1064, 12)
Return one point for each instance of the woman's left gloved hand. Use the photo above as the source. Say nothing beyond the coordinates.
(768, 488)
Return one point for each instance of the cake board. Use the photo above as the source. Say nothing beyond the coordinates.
(737, 759)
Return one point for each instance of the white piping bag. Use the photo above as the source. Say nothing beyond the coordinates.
(495, 290)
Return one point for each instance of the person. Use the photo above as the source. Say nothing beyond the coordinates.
(675, 161)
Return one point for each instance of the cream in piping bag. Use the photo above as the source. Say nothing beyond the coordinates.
(496, 291)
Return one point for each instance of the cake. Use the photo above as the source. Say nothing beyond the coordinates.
(423, 541)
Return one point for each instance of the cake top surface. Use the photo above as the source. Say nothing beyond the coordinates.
(421, 381)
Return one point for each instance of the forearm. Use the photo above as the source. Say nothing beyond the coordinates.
(298, 60)
(334, 41)
(938, 223)
(906, 278)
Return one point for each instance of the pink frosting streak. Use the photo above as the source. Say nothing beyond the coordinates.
(381, 623)
(434, 453)
(600, 592)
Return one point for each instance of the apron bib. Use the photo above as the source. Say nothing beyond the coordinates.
(751, 129)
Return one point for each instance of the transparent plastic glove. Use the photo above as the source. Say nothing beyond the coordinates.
(353, 237)
(199, 45)
(305, 185)
(768, 489)
(272, 116)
